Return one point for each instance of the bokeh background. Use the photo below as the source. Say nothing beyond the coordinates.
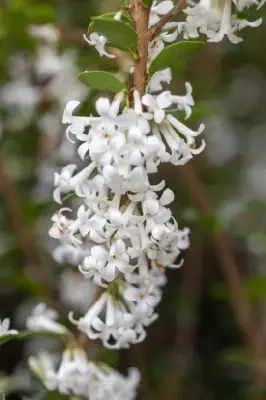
(210, 340)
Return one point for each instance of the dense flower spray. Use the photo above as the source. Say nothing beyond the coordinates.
(122, 235)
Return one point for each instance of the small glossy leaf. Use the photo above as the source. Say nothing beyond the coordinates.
(101, 80)
(118, 33)
(174, 56)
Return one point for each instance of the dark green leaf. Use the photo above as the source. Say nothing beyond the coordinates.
(174, 56)
(101, 80)
(118, 33)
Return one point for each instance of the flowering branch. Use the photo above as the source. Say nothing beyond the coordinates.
(123, 235)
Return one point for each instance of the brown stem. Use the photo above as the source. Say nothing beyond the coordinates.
(140, 13)
(230, 270)
(166, 18)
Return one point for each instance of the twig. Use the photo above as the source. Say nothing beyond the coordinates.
(230, 270)
(166, 18)
(140, 13)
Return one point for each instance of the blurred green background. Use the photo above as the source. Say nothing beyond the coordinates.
(202, 346)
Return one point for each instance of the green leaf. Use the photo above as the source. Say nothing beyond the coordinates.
(54, 396)
(255, 287)
(235, 355)
(118, 33)
(124, 17)
(174, 56)
(101, 80)
(7, 338)
(2, 396)
(26, 334)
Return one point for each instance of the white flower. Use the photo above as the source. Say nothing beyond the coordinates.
(145, 297)
(110, 321)
(77, 124)
(185, 102)
(61, 226)
(226, 25)
(78, 376)
(106, 264)
(44, 366)
(89, 224)
(109, 384)
(215, 20)
(4, 328)
(44, 319)
(62, 182)
(155, 83)
(158, 10)
(99, 42)
(47, 32)
(241, 4)
(158, 104)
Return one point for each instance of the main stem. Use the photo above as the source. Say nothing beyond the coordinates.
(140, 13)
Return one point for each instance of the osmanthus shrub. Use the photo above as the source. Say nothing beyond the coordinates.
(123, 236)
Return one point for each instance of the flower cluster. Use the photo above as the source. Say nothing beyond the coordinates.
(123, 235)
(217, 19)
(76, 375)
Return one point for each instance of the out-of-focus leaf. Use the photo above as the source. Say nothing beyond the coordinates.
(27, 334)
(218, 291)
(21, 281)
(110, 357)
(235, 355)
(175, 56)
(101, 80)
(229, 210)
(54, 396)
(209, 223)
(256, 287)
(7, 338)
(118, 33)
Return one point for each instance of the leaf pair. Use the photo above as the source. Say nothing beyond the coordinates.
(121, 34)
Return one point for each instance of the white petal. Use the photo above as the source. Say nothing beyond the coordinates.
(102, 105)
(159, 115)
